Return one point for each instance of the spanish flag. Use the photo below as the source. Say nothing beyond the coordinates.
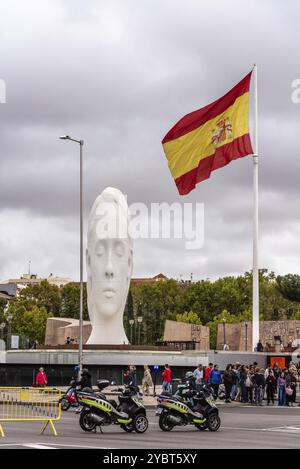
(209, 138)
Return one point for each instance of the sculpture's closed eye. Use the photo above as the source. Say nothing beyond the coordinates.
(119, 249)
(100, 249)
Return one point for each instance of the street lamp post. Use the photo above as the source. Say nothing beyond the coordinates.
(81, 143)
(246, 335)
(224, 331)
(131, 322)
(9, 320)
(2, 327)
(139, 320)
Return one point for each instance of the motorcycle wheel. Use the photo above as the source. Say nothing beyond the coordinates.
(65, 405)
(140, 423)
(127, 428)
(85, 423)
(213, 422)
(163, 424)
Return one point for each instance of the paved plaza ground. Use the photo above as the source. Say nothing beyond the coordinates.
(242, 427)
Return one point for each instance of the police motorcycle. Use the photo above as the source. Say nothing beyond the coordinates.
(189, 406)
(98, 411)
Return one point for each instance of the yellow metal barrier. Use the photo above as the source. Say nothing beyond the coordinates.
(30, 405)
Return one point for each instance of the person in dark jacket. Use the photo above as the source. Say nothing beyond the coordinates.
(228, 382)
(259, 386)
(215, 379)
(235, 382)
(271, 383)
(294, 382)
(85, 382)
(288, 387)
(243, 373)
(132, 376)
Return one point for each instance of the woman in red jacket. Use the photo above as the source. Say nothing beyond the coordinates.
(41, 378)
(166, 377)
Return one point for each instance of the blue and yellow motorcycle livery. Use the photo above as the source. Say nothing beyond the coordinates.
(98, 411)
(188, 407)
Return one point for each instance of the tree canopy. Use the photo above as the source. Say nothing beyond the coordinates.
(205, 302)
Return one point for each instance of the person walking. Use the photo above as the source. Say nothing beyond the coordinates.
(166, 377)
(147, 380)
(132, 381)
(270, 386)
(215, 379)
(41, 378)
(228, 382)
(281, 383)
(199, 376)
(207, 372)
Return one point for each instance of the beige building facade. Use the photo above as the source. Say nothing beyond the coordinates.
(272, 333)
(190, 335)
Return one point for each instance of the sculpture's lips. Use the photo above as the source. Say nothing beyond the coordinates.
(109, 292)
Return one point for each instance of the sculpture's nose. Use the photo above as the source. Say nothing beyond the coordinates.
(109, 273)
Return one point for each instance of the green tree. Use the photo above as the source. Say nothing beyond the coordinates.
(70, 301)
(289, 287)
(155, 302)
(189, 318)
(30, 324)
(3, 305)
(229, 319)
(43, 296)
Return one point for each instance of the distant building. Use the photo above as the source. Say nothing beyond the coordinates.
(157, 278)
(4, 296)
(8, 290)
(59, 329)
(33, 279)
(239, 336)
(186, 336)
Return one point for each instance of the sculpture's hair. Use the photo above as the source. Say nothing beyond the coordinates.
(109, 196)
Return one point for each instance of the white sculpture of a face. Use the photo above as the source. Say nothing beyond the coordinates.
(109, 267)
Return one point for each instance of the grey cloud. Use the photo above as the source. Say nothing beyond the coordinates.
(119, 74)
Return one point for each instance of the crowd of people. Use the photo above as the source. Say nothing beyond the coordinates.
(242, 383)
(251, 384)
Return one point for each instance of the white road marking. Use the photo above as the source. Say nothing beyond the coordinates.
(80, 446)
(37, 446)
(288, 429)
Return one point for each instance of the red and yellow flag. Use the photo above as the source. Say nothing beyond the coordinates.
(209, 138)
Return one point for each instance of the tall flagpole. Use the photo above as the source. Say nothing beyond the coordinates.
(255, 299)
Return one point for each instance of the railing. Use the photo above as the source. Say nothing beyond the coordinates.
(30, 405)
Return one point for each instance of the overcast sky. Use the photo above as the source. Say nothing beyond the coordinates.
(119, 74)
